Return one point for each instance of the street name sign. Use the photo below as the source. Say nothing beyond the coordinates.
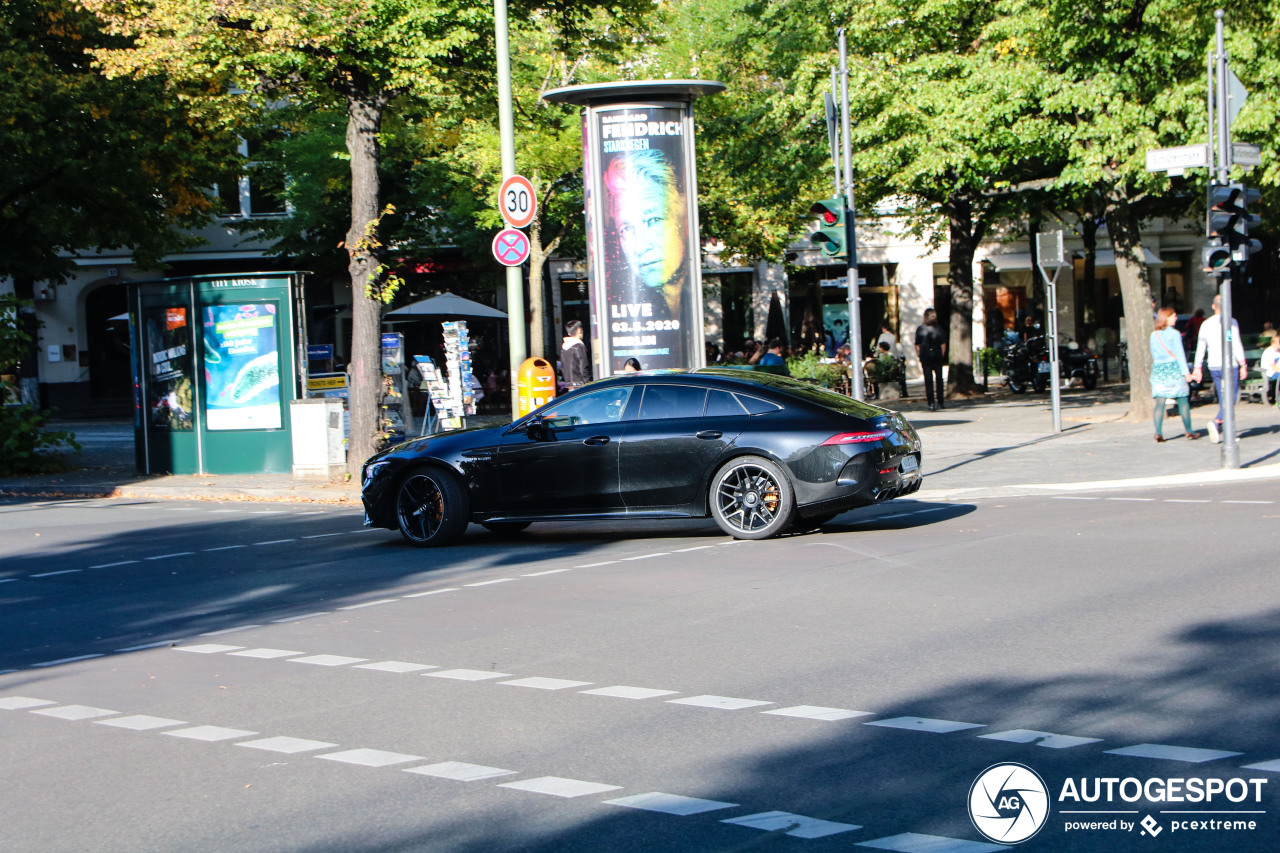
(1177, 159)
(1244, 154)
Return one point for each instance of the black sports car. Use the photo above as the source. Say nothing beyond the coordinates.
(758, 453)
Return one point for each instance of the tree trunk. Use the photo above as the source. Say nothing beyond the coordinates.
(960, 278)
(364, 121)
(1135, 288)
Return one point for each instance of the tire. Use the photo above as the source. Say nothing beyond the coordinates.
(431, 507)
(1040, 383)
(1090, 380)
(751, 498)
(504, 528)
(1017, 386)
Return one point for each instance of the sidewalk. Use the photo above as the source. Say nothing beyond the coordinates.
(1000, 445)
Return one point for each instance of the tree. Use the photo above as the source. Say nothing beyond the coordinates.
(363, 54)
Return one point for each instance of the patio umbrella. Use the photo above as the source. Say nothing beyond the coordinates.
(447, 304)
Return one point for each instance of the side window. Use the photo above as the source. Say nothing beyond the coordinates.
(722, 404)
(672, 401)
(597, 407)
(756, 406)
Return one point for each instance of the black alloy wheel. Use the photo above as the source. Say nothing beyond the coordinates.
(431, 507)
(751, 498)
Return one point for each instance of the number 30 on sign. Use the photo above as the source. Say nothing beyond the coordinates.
(517, 201)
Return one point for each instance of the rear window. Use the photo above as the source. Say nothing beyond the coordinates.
(672, 401)
(722, 404)
(756, 406)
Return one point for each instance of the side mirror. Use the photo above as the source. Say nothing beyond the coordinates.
(535, 428)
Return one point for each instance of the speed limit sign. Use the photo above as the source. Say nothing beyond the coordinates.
(517, 202)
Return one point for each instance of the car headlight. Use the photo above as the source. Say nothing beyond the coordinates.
(372, 470)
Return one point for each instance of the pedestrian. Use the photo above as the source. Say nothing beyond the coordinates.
(1268, 334)
(888, 337)
(931, 349)
(773, 358)
(1271, 369)
(631, 365)
(1192, 336)
(1169, 373)
(1209, 348)
(573, 355)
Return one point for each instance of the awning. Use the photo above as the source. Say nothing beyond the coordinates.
(448, 305)
(1103, 258)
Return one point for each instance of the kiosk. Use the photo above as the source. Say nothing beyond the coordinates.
(215, 366)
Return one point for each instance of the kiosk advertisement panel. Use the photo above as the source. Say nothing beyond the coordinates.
(242, 366)
(168, 387)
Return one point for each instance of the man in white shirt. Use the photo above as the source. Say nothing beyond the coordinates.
(1271, 368)
(1210, 345)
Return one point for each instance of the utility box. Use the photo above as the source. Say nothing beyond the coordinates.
(318, 449)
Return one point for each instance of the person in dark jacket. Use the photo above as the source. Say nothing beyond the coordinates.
(573, 356)
(931, 349)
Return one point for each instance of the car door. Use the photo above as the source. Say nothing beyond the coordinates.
(570, 465)
(669, 448)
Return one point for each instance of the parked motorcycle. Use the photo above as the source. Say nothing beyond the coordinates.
(1022, 364)
(1027, 365)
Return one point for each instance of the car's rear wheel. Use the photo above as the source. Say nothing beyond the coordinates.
(504, 528)
(751, 498)
(431, 507)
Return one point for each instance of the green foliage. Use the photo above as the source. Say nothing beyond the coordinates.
(26, 448)
(808, 367)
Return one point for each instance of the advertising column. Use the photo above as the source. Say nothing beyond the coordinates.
(644, 255)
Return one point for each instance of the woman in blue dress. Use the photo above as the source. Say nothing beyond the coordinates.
(1169, 373)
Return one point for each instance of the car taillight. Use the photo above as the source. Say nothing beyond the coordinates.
(858, 437)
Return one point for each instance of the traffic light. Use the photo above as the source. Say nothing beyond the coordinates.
(1217, 258)
(1229, 221)
(831, 228)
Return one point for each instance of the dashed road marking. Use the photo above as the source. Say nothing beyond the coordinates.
(208, 648)
(328, 660)
(74, 712)
(170, 556)
(546, 683)
(467, 674)
(396, 666)
(724, 703)
(558, 786)
(370, 757)
(459, 771)
(364, 604)
(430, 592)
(1045, 739)
(797, 826)
(54, 574)
(623, 692)
(1189, 754)
(287, 745)
(549, 572)
(140, 722)
(211, 734)
(113, 565)
(924, 724)
(234, 630)
(489, 583)
(60, 661)
(264, 654)
(815, 712)
(656, 801)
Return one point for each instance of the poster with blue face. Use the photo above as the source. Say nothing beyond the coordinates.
(242, 367)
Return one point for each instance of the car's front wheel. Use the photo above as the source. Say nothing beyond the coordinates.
(751, 498)
(431, 507)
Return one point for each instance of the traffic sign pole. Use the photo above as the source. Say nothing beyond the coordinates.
(517, 339)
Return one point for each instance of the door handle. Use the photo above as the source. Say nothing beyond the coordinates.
(596, 440)
(710, 433)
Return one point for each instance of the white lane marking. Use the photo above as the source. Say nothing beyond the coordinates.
(167, 556)
(75, 712)
(1045, 739)
(64, 660)
(646, 556)
(369, 604)
(467, 674)
(724, 703)
(21, 703)
(157, 644)
(621, 692)
(489, 583)
(694, 548)
(265, 654)
(459, 771)
(558, 786)
(396, 666)
(1248, 502)
(210, 733)
(550, 572)
(275, 542)
(328, 660)
(234, 630)
(431, 592)
(1189, 754)
(311, 512)
(1184, 501)
(52, 574)
(656, 801)
(1072, 498)
(539, 683)
(9, 580)
(1269, 766)
(593, 565)
(815, 712)
(267, 512)
(916, 842)
(797, 826)
(370, 757)
(321, 535)
(224, 548)
(225, 510)
(287, 745)
(207, 648)
(300, 618)
(1138, 500)
(924, 724)
(140, 722)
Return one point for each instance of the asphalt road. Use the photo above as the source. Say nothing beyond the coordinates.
(192, 676)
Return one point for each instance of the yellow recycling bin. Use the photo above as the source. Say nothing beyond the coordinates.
(535, 385)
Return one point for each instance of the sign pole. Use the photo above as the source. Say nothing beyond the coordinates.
(1050, 252)
(1230, 372)
(517, 342)
(851, 233)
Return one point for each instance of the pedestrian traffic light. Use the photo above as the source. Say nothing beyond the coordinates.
(1230, 219)
(831, 227)
(1217, 258)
